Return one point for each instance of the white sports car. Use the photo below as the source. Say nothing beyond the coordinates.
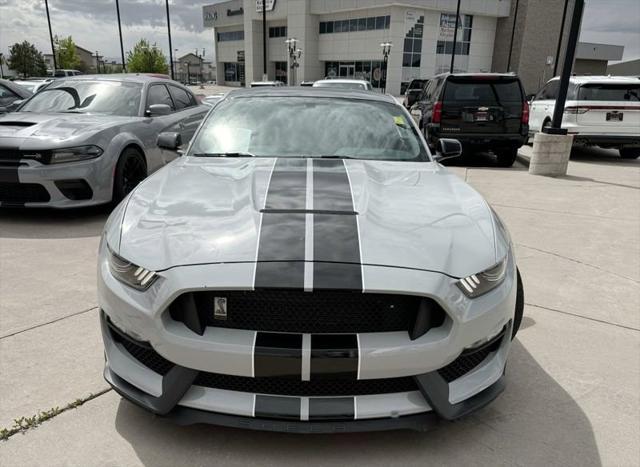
(307, 266)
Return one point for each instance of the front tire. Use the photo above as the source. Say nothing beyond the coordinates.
(131, 169)
(629, 153)
(506, 157)
(519, 313)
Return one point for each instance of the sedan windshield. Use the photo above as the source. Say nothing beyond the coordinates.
(309, 127)
(83, 96)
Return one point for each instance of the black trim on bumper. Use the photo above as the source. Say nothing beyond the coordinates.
(631, 140)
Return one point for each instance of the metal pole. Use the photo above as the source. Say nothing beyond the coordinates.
(124, 69)
(264, 39)
(170, 46)
(564, 16)
(455, 37)
(513, 32)
(558, 111)
(97, 63)
(53, 49)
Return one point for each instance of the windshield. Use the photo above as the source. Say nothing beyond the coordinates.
(341, 85)
(105, 97)
(610, 92)
(29, 86)
(309, 127)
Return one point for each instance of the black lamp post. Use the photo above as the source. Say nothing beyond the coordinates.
(455, 37)
(386, 50)
(294, 55)
(53, 49)
(124, 69)
(170, 46)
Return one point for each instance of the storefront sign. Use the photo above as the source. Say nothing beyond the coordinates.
(211, 16)
(270, 5)
(236, 12)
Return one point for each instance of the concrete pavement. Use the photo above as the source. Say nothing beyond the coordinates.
(573, 376)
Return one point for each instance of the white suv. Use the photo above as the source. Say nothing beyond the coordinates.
(600, 110)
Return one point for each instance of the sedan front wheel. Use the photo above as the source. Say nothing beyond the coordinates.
(130, 170)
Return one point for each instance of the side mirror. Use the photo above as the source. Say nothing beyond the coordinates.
(448, 149)
(416, 113)
(156, 110)
(169, 140)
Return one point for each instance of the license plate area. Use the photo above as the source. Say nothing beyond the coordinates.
(481, 116)
(614, 116)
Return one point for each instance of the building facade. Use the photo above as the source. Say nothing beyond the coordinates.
(192, 68)
(341, 38)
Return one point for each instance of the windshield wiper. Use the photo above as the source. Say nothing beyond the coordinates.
(224, 154)
(332, 156)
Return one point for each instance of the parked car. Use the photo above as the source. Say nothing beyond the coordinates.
(12, 95)
(34, 84)
(307, 266)
(344, 84)
(65, 73)
(90, 139)
(414, 89)
(484, 111)
(268, 84)
(307, 83)
(212, 99)
(599, 111)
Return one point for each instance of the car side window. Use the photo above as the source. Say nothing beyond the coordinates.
(550, 91)
(158, 94)
(7, 96)
(181, 98)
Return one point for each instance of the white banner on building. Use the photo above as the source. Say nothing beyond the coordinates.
(270, 5)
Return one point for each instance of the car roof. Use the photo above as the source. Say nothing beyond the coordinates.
(340, 80)
(471, 75)
(307, 91)
(129, 77)
(583, 79)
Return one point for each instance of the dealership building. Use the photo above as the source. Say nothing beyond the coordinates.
(342, 38)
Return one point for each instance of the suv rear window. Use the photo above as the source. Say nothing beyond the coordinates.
(417, 84)
(492, 92)
(609, 92)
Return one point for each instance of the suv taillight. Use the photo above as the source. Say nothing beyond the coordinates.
(525, 113)
(437, 112)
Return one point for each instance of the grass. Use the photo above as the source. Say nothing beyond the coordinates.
(22, 424)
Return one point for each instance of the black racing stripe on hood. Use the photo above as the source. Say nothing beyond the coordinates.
(336, 249)
(282, 234)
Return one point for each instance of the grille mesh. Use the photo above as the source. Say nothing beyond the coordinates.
(295, 387)
(469, 359)
(23, 193)
(320, 311)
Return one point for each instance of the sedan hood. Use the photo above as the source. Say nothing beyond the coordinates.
(55, 126)
(211, 210)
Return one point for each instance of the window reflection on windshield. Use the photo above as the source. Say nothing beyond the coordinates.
(308, 127)
(105, 97)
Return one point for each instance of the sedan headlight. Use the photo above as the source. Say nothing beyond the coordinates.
(134, 276)
(58, 156)
(478, 284)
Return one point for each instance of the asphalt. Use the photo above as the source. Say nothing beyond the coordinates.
(573, 378)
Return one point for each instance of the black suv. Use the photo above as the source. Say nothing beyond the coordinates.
(481, 110)
(413, 91)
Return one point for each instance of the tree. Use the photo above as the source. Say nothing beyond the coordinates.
(146, 58)
(66, 55)
(24, 58)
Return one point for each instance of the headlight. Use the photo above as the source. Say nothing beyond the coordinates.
(134, 276)
(57, 156)
(477, 284)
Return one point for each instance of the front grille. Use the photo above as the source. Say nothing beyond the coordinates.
(469, 359)
(142, 352)
(322, 311)
(294, 387)
(23, 193)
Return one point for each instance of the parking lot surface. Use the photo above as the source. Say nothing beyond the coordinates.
(573, 378)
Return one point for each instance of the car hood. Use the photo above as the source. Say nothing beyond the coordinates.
(55, 126)
(208, 210)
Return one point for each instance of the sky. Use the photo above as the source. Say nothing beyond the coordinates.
(92, 23)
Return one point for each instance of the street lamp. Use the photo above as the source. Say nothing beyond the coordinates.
(386, 50)
(294, 55)
(200, 57)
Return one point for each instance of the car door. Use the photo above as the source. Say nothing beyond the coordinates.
(157, 93)
(543, 105)
(188, 113)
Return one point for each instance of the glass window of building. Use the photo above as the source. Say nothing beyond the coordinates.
(278, 31)
(230, 36)
(463, 40)
(412, 51)
(355, 25)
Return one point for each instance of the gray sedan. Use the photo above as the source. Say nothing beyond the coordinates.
(89, 140)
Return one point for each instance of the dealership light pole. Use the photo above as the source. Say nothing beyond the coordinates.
(570, 53)
(386, 50)
(264, 40)
(294, 55)
(53, 49)
(564, 17)
(455, 37)
(120, 32)
(513, 32)
(170, 46)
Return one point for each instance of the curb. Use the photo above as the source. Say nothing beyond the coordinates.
(525, 160)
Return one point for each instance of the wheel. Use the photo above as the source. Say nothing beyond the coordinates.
(517, 318)
(131, 169)
(629, 153)
(506, 157)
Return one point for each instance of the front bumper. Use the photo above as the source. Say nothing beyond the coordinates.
(28, 183)
(181, 391)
